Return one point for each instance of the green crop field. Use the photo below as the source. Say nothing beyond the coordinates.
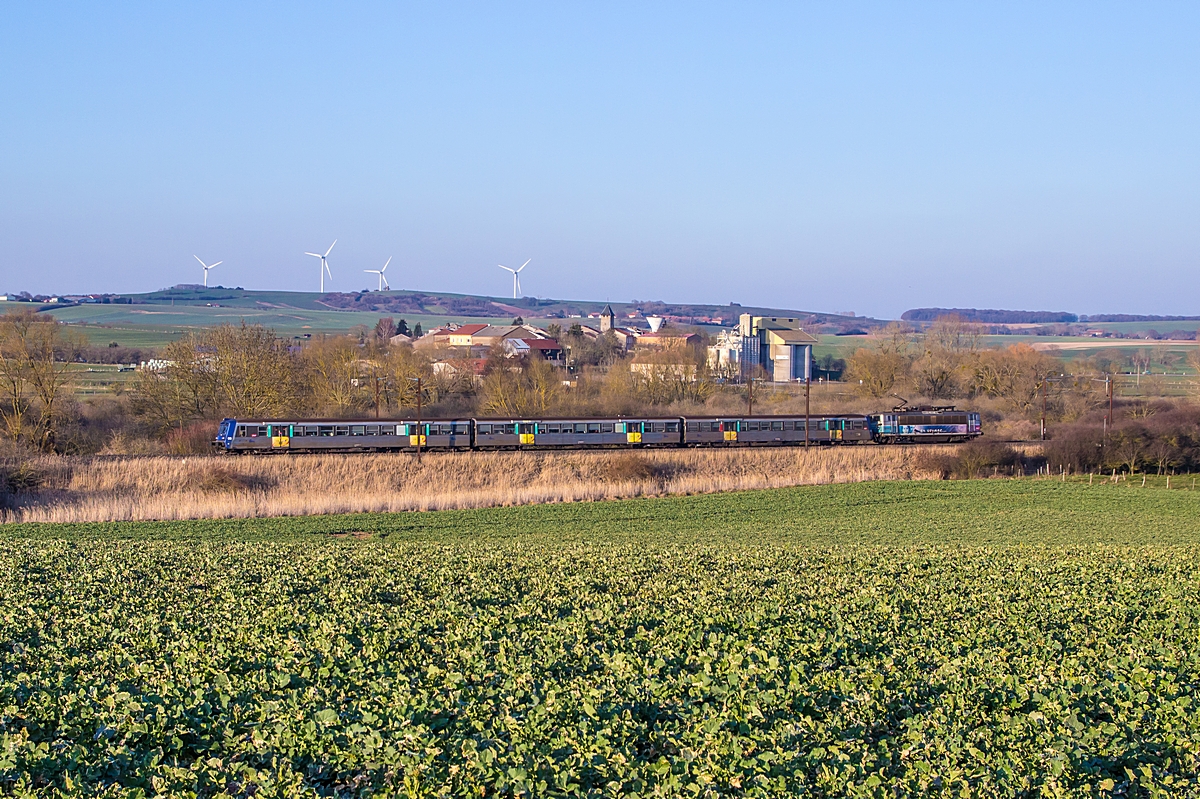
(984, 638)
(157, 325)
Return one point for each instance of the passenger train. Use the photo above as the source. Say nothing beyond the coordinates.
(899, 426)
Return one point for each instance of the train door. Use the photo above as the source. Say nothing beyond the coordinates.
(526, 432)
(730, 430)
(417, 434)
(633, 432)
(281, 435)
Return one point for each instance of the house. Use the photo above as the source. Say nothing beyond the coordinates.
(545, 348)
(476, 367)
(464, 335)
(667, 339)
(664, 371)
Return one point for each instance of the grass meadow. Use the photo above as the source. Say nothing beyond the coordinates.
(147, 488)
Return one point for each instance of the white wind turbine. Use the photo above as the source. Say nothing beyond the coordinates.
(324, 264)
(206, 268)
(516, 280)
(382, 279)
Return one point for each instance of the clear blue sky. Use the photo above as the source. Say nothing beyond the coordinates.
(836, 156)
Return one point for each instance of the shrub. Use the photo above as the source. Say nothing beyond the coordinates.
(629, 467)
(221, 480)
(21, 478)
(971, 460)
(194, 439)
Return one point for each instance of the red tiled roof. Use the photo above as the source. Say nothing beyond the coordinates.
(467, 330)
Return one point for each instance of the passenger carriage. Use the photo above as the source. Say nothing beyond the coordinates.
(341, 435)
(784, 429)
(576, 432)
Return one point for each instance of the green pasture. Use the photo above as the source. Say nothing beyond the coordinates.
(1140, 327)
(156, 325)
(98, 379)
(983, 638)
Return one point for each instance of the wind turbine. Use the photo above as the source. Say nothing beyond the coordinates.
(206, 268)
(516, 280)
(324, 264)
(382, 280)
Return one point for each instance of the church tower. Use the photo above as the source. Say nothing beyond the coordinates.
(607, 319)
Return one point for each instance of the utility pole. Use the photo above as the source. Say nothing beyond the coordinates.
(1108, 383)
(807, 386)
(420, 427)
(376, 376)
(1044, 382)
(750, 397)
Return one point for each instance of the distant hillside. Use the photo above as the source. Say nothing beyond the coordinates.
(990, 316)
(459, 306)
(1125, 317)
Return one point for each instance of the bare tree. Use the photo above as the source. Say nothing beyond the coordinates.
(333, 372)
(35, 356)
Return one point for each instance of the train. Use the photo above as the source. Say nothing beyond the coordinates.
(930, 424)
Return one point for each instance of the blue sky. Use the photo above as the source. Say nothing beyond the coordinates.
(840, 156)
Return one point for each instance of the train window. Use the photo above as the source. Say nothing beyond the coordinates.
(460, 429)
(714, 427)
(672, 427)
(387, 430)
(325, 430)
(342, 430)
(606, 427)
(241, 431)
(483, 429)
(593, 427)
(358, 429)
(525, 429)
(581, 427)
(776, 425)
(371, 430)
(693, 427)
(261, 430)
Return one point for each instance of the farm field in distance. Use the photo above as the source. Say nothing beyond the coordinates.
(987, 638)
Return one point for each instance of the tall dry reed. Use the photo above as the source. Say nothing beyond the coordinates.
(160, 488)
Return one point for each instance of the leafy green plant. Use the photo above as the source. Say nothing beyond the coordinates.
(981, 638)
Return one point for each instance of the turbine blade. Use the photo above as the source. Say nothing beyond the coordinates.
(314, 254)
(330, 248)
(197, 257)
(389, 285)
(218, 263)
(524, 265)
(389, 260)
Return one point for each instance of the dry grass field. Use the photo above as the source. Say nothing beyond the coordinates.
(165, 488)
